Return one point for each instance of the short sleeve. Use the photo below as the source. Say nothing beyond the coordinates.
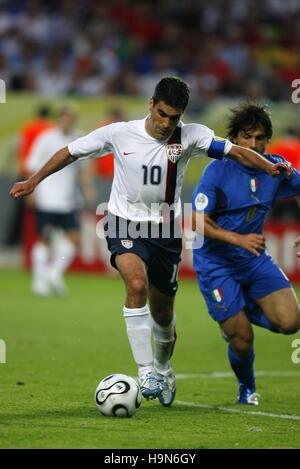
(218, 148)
(204, 140)
(95, 144)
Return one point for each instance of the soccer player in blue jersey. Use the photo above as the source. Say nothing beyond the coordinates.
(240, 282)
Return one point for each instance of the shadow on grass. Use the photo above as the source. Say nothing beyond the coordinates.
(89, 417)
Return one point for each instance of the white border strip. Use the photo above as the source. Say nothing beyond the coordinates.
(237, 411)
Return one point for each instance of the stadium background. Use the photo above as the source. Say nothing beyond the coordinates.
(108, 55)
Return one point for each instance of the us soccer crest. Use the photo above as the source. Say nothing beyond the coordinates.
(127, 243)
(174, 151)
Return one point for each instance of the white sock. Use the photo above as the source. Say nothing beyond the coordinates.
(138, 325)
(40, 257)
(64, 252)
(164, 338)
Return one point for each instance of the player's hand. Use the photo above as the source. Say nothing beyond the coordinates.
(252, 242)
(279, 168)
(21, 189)
(296, 244)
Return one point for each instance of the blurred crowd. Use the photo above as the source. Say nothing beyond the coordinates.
(234, 48)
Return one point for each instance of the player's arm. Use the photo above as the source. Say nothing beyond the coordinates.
(58, 161)
(254, 160)
(203, 223)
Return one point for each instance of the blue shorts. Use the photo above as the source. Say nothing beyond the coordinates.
(161, 255)
(47, 220)
(227, 289)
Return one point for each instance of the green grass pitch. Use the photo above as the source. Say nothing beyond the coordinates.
(57, 350)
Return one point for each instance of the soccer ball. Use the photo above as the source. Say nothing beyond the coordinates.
(118, 396)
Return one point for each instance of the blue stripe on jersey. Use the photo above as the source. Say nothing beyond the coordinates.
(216, 149)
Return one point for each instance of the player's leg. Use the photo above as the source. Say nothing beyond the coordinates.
(64, 250)
(256, 316)
(237, 329)
(137, 318)
(274, 296)
(163, 327)
(225, 301)
(163, 274)
(282, 310)
(40, 256)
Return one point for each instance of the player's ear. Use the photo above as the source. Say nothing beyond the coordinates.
(151, 103)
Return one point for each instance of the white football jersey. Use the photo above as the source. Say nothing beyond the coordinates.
(58, 192)
(147, 172)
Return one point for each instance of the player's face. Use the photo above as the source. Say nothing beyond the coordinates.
(163, 119)
(66, 121)
(254, 139)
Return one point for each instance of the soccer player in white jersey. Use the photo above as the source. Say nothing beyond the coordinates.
(151, 155)
(56, 202)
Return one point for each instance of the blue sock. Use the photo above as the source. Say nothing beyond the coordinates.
(256, 316)
(243, 368)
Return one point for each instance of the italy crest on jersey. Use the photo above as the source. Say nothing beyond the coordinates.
(253, 184)
(217, 294)
(174, 151)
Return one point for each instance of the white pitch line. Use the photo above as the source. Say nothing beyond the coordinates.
(238, 411)
(228, 374)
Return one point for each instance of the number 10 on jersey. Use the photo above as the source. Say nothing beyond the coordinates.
(151, 175)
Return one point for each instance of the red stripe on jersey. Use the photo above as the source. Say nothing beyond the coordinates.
(172, 169)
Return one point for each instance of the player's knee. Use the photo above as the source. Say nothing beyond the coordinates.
(242, 344)
(289, 323)
(163, 316)
(289, 326)
(137, 287)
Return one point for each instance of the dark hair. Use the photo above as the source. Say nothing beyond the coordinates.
(248, 116)
(44, 111)
(173, 91)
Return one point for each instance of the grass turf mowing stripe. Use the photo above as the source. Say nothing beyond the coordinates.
(237, 411)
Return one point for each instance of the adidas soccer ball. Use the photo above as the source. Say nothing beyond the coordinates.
(118, 396)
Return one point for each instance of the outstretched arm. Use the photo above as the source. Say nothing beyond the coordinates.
(58, 161)
(254, 160)
(251, 242)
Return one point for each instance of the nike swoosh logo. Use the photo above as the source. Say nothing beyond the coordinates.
(128, 153)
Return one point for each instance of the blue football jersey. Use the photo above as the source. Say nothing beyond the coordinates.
(238, 198)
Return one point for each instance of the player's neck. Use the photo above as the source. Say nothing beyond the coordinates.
(148, 127)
